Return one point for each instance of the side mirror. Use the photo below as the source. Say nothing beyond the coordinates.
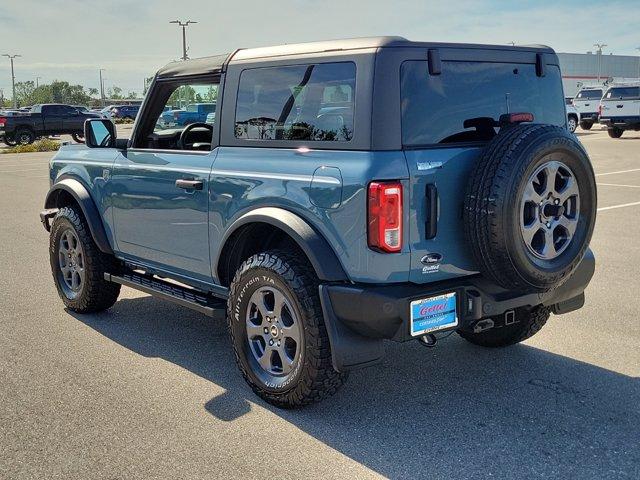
(99, 133)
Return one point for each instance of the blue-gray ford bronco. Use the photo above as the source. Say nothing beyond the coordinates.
(344, 193)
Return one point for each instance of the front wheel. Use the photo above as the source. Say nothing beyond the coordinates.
(527, 324)
(615, 132)
(278, 333)
(572, 124)
(78, 266)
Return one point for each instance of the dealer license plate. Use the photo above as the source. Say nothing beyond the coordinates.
(429, 315)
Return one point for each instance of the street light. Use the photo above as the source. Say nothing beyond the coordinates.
(599, 47)
(37, 81)
(101, 87)
(184, 26)
(13, 78)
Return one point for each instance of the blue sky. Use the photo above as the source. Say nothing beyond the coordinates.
(72, 39)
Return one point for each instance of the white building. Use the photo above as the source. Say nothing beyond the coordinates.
(580, 69)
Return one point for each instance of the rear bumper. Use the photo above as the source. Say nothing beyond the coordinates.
(360, 316)
(626, 123)
(589, 117)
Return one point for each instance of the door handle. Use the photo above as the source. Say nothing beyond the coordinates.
(189, 184)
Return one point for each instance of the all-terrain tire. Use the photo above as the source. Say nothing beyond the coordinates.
(529, 322)
(615, 132)
(95, 294)
(586, 125)
(493, 203)
(313, 377)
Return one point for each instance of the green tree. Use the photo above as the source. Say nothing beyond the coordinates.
(115, 93)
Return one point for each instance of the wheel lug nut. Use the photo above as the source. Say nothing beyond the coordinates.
(266, 330)
(548, 224)
(271, 342)
(556, 201)
(278, 342)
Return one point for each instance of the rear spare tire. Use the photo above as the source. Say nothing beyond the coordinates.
(530, 207)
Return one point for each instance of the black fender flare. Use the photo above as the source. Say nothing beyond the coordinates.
(81, 194)
(322, 257)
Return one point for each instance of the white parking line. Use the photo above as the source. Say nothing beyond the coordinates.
(43, 168)
(619, 171)
(602, 209)
(618, 185)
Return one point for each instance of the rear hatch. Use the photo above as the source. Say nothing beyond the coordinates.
(446, 122)
(587, 101)
(621, 102)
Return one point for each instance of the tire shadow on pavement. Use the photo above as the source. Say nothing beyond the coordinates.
(518, 412)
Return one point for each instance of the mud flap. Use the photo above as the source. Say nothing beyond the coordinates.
(349, 350)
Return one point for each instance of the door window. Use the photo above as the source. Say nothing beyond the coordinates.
(300, 102)
(185, 106)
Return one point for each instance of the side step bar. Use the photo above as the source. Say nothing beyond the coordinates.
(185, 296)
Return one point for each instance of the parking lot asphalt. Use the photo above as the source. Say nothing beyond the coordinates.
(148, 389)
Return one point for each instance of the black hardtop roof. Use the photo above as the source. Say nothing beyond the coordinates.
(217, 64)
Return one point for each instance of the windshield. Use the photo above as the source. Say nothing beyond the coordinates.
(589, 94)
(463, 103)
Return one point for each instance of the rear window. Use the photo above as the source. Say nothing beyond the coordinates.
(462, 103)
(589, 94)
(300, 102)
(622, 93)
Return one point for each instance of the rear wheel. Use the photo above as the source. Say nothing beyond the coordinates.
(572, 124)
(615, 132)
(25, 136)
(10, 140)
(527, 323)
(586, 125)
(78, 266)
(278, 333)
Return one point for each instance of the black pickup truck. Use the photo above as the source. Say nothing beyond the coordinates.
(47, 119)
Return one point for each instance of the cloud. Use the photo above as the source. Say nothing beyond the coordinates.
(72, 39)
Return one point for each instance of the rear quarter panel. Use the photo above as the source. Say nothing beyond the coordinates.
(247, 178)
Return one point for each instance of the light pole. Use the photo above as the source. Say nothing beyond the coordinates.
(599, 47)
(101, 87)
(184, 26)
(638, 62)
(37, 81)
(13, 78)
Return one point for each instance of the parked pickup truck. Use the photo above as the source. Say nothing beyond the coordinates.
(620, 109)
(47, 119)
(320, 230)
(196, 112)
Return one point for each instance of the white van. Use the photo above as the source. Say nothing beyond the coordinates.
(620, 109)
(586, 102)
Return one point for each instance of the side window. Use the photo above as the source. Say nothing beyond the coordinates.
(193, 103)
(300, 102)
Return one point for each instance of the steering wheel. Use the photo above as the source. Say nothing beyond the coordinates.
(187, 131)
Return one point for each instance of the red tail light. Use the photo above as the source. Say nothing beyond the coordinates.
(3, 120)
(385, 216)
